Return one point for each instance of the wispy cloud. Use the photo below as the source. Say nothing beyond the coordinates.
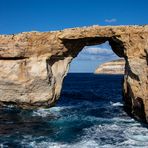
(111, 20)
(95, 53)
(97, 50)
(91, 56)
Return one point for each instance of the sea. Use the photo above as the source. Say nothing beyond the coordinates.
(89, 114)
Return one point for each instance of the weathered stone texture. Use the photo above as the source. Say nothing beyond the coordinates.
(33, 64)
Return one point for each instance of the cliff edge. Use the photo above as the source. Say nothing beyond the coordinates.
(112, 67)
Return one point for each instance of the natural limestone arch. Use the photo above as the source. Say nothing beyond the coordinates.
(34, 64)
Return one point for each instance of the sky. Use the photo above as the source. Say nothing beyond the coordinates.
(47, 15)
(91, 57)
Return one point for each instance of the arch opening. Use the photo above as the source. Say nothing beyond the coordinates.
(89, 100)
(86, 62)
(91, 56)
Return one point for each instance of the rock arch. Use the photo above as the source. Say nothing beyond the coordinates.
(33, 64)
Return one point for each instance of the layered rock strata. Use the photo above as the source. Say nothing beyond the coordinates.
(112, 67)
(34, 64)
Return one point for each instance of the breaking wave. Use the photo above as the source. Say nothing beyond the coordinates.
(86, 116)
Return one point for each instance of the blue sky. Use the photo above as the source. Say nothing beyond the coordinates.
(45, 15)
(92, 56)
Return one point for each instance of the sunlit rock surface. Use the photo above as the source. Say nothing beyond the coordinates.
(34, 64)
(112, 67)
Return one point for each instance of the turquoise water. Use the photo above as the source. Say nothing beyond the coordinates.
(89, 114)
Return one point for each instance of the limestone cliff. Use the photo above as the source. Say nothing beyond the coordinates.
(112, 67)
(34, 64)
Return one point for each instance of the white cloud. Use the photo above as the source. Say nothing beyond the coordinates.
(111, 20)
(96, 50)
(96, 53)
(91, 56)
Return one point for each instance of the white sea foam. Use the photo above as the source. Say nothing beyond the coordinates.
(129, 143)
(47, 112)
(119, 119)
(116, 104)
(1, 145)
(41, 112)
(82, 144)
(126, 132)
(137, 133)
(87, 143)
(134, 137)
(58, 109)
(141, 138)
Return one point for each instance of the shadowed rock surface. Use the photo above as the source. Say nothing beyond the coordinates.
(112, 67)
(34, 64)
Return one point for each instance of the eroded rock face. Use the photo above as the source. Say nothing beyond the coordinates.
(112, 67)
(33, 64)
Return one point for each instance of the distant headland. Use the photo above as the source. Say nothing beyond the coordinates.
(112, 67)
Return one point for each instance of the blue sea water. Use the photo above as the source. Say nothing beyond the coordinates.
(89, 114)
